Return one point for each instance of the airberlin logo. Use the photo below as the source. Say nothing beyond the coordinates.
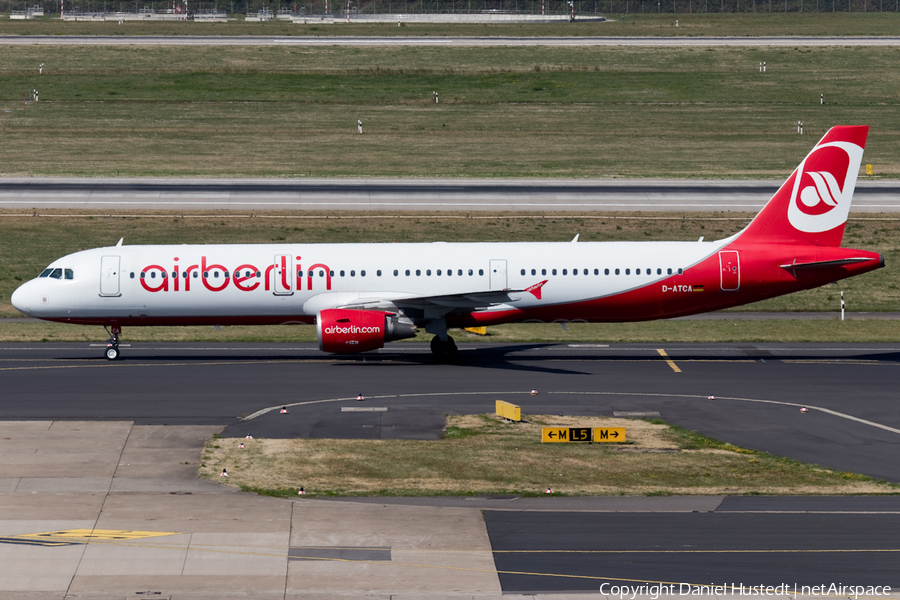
(823, 187)
(206, 274)
(350, 329)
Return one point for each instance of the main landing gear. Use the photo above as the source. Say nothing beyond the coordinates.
(444, 350)
(112, 344)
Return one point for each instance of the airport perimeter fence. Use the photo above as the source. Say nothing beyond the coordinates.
(338, 8)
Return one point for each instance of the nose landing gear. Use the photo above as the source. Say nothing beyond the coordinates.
(112, 344)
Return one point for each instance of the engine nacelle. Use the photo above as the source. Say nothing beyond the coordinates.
(348, 331)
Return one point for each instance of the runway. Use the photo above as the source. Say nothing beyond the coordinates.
(853, 424)
(473, 195)
(113, 447)
(449, 41)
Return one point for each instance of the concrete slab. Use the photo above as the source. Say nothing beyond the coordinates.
(171, 486)
(196, 513)
(47, 507)
(216, 554)
(433, 550)
(137, 558)
(196, 586)
(64, 484)
(8, 484)
(23, 527)
(38, 568)
(62, 464)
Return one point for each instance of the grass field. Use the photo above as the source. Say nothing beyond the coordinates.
(481, 455)
(762, 23)
(549, 112)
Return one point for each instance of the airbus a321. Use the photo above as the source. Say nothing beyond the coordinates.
(361, 296)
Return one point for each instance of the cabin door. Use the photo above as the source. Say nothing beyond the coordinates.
(109, 276)
(730, 270)
(498, 275)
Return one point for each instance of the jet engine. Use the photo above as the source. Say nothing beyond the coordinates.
(348, 331)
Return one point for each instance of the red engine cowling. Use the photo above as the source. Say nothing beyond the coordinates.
(348, 331)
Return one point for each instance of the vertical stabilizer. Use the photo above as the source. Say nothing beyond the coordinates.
(812, 205)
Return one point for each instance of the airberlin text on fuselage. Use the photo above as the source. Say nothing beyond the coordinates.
(216, 278)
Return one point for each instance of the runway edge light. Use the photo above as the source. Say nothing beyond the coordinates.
(509, 411)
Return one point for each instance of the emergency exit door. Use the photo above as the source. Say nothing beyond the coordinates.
(498, 274)
(109, 276)
(284, 271)
(730, 270)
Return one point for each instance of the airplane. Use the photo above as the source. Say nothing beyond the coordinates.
(361, 296)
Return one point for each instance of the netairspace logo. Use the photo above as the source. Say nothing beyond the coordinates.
(655, 591)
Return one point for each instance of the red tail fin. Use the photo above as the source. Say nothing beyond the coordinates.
(813, 204)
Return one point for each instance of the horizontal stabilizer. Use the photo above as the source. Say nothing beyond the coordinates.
(824, 264)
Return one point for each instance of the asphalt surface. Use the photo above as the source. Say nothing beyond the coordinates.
(547, 544)
(850, 390)
(412, 194)
(791, 41)
(702, 548)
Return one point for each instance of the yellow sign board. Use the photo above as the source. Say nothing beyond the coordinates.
(609, 434)
(870, 170)
(508, 411)
(566, 434)
(583, 434)
(477, 330)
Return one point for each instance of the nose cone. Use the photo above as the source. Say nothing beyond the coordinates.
(20, 299)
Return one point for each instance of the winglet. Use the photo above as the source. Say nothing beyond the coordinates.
(536, 289)
(576, 238)
(119, 243)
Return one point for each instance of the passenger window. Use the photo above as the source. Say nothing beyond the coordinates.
(459, 272)
(56, 274)
(680, 271)
(617, 271)
(152, 275)
(352, 273)
(215, 274)
(195, 274)
(378, 272)
(606, 271)
(395, 272)
(132, 274)
(428, 272)
(553, 272)
(449, 272)
(585, 272)
(205, 275)
(543, 271)
(258, 274)
(669, 272)
(481, 272)
(330, 273)
(659, 271)
(596, 271)
(470, 272)
(46, 273)
(362, 273)
(523, 271)
(534, 271)
(185, 276)
(418, 272)
(407, 272)
(637, 272)
(628, 271)
(69, 274)
(438, 271)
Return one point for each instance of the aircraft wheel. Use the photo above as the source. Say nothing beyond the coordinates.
(112, 353)
(437, 346)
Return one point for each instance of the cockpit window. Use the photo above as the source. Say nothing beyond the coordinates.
(46, 273)
(56, 274)
(69, 274)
